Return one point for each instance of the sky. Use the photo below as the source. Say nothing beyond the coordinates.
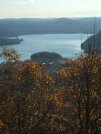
(49, 8)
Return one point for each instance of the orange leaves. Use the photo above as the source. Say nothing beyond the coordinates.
(82, 81)
(30, 103)
(31, 70)
(32, 74)
(3, 128)
(28, 97)
(1, 124)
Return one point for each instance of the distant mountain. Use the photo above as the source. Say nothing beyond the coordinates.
(92, 44)
(89, 19)
(27, 26)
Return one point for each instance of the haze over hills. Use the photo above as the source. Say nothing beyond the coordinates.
(89, 19)
(27, 26)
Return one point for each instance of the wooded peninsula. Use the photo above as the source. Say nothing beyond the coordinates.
(8, 41)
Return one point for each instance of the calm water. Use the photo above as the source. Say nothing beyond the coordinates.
(65, 44)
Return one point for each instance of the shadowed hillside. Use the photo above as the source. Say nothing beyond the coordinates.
(92, 44)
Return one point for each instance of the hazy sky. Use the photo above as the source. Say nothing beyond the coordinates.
(49, 8)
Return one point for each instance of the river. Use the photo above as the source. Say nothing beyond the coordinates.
(66, 45)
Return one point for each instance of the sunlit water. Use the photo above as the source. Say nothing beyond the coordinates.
(64, 44)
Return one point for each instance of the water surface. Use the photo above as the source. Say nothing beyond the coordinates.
(65, 44)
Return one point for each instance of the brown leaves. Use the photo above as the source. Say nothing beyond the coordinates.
(29, 102)
(3, 128)
(82, 81)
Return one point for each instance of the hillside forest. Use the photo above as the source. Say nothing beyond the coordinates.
(29, 26)
(31, 104)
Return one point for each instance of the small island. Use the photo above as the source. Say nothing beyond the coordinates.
(46, 55)
(8, 41)
(51, 60)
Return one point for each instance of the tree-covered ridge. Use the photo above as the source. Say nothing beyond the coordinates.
(28, 26)
(46, 55)
(92, 44)
(8, 41)
(31, 104)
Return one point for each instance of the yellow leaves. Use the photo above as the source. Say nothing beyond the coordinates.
(62, 127)
(56, 122)
(10, 55)
(28, 95)
(99, 119)
(82, 81)
(77, 85)
(65, 105)
(62, 74)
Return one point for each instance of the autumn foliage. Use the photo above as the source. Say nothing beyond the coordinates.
(82, 83)
(3, 128)
(31, 104)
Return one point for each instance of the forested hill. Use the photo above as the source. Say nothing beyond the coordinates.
(46, 55)
(6, 41)
(93, 43)
(26, 26)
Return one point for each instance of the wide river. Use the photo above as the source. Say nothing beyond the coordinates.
(65, 44)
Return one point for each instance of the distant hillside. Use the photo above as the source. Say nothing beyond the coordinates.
(27, 26)
(89, 19)
(93, 43)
